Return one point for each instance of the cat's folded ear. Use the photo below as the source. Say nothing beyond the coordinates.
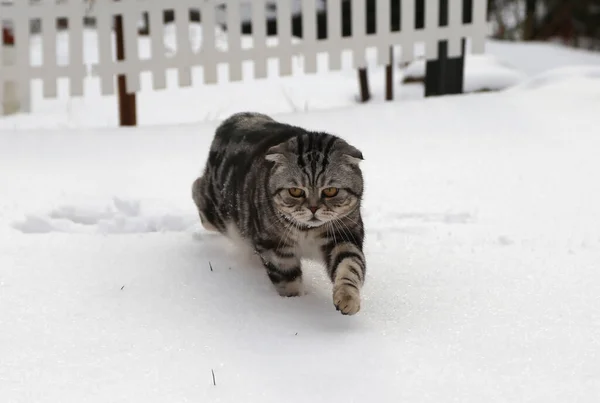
(352, 154)
(277, 153)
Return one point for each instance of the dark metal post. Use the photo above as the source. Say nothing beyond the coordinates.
(127, 102)
(445, 75)
(363, 79)
(434, 72)
(389, 77)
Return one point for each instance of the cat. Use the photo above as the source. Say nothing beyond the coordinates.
(288, 193)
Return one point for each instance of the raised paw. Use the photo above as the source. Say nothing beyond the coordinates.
(346, 299)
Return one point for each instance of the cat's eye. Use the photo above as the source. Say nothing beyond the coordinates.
(330, 192)
(296, 192)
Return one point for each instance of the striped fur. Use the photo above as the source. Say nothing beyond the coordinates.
(245, 187)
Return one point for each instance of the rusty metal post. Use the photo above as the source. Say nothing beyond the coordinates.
(127, 102)
(363, 80)
(389, 77)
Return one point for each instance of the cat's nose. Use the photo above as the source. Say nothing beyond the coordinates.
(313, 209)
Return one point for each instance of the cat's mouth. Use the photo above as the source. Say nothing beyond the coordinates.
(311, 223)
(304, 224)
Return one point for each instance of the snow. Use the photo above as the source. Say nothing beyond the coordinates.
(534, 58)
(118, 216)
(482, 72)
(559, 76)
(482, 246)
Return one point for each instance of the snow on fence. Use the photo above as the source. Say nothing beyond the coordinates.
(208, 56)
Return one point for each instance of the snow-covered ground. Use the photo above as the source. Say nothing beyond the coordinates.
(504, 65)
(483, 248)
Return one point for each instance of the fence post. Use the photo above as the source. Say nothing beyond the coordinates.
(389, 77)
(127, 102)
(363, 80)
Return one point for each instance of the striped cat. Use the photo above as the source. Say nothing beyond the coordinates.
(289, 194)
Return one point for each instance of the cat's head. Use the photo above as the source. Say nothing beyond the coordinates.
(315, 178)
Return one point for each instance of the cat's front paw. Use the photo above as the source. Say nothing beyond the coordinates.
(346, 299)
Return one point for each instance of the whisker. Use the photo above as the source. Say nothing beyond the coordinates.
(349, 219)
(341, 228)
(291, 225)
(276, 217)
(283, 237)
(333, 232)
(349, 230)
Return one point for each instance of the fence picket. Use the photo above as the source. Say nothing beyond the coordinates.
(184, 46)
(22, 60)
(309, 35)
(207, 55)
(284, 34)
(384, 27)
(430, 32)
(334, 33)
(131, 67)
(157, 46)
(259, 38)
(76, 68)
(407, 30)
(454, 23)
(234, 40)
(105, 68)
(49, 56)
(359, 33)
(479, 27)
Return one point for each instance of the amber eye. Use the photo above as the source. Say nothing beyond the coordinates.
(330, 192)
(296, 192)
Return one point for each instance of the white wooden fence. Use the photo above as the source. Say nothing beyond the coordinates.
(208, 56)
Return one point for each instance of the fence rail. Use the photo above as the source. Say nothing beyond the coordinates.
(209, 55)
